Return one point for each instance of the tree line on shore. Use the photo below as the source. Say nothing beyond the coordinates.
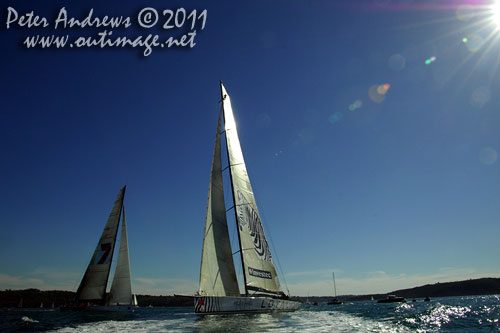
(471, 287)
(34, 298)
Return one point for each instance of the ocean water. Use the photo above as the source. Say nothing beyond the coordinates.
(447, 314)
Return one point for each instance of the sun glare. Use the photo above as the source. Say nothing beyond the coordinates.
(496, 13)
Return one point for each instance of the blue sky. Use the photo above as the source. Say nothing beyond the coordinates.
(369, 128)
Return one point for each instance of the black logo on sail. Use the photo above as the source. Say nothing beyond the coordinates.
(259, 273)
(248, 217)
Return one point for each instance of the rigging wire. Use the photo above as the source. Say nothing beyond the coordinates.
(268, 232)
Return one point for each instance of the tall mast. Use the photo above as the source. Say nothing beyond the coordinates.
(334, 287)
(234, 195)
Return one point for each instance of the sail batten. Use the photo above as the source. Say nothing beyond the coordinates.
(95, 279)
(258, 266)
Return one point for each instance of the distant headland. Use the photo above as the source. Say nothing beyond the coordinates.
(34, 298)
(472, 287)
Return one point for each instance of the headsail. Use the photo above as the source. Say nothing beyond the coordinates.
(217, 274)
(259, 270)
(121, 288)
(93, 285)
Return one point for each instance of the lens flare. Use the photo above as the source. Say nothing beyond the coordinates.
(430, 60)
(335, 117)
(473, 42)
(480, 96)
(307, 136)
(377, 92)
(397, 62)
(464, 12)
(488, 156)
(355, 105)
(382, 89)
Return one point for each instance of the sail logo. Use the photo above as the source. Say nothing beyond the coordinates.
(103, 255)
(248, 217)
(259, 273)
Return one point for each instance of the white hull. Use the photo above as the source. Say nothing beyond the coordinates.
(226, 304)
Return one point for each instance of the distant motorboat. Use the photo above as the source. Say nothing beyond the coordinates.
(334, 301)
(392, 299)
(427, 299)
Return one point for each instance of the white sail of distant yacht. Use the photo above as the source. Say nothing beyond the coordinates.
(219, 291)
(91, 294)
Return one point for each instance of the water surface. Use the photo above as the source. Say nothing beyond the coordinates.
(449, 314)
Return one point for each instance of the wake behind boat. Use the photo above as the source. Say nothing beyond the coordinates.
(219, 291)
(91, 294)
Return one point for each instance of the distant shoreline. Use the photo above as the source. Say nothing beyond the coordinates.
(34, 298)
(471, 287)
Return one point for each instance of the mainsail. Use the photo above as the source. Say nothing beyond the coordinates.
(217, 274)
(93, 285)
(259, 271)
(121, 288)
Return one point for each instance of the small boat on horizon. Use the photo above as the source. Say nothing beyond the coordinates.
(392, 299)
(334, 300)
